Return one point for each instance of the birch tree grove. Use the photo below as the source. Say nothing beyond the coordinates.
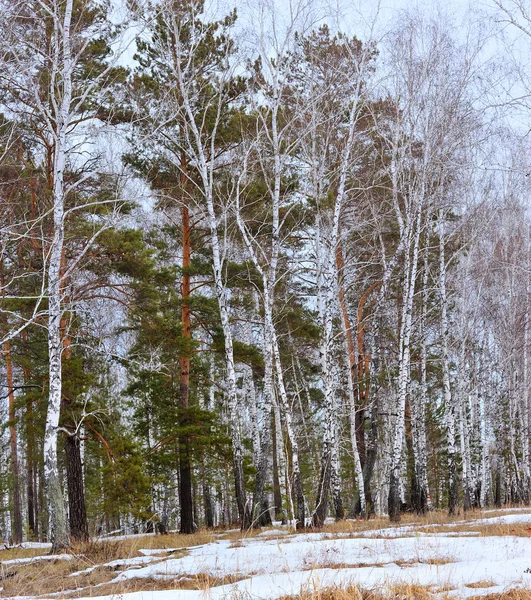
(259, 270)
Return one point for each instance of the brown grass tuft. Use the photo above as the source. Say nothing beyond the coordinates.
(513, 594)
(336, 593)
(485, 583)
(182, 582)
(397, 592)
(410, 591)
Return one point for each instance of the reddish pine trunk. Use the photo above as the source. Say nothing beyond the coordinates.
(17, 508)
(185, 470)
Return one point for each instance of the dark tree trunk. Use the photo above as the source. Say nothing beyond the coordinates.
(17, 502)
(467, 500)
(498, 484)
(339, 509)
(227, 512)
(265, 513)
(185, 470)
(360, 432)
(209, 509)
(394, 502)
(42, 512)
(419, 499)
(185, 493)
(300, 515)
(36, 497)
(77, 512)
(453, 489)
(207, 496)
(31, 475)
(372, 452)
(260, 481)
(31, 501)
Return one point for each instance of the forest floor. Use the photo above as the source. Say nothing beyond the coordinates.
(485, 554)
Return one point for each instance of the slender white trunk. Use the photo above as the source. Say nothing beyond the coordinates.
(281, 460)
(56, 504)
(268, 275)
(418, 404)
(327, 301)
(410, 271)
(353, 441)
(447, 393)
(350, 364)
(232, 395)
(299, 512)
(525, 401)
(485, 471)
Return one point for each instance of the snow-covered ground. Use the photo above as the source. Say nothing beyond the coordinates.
(276, 563)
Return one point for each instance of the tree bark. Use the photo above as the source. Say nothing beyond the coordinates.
(31, 475)
(77, 512)
(277, 493)
(410, 270)
(351, 366)
(185, 469)
(447, 393)
(298, 492)
(58, 521)
(17, 506)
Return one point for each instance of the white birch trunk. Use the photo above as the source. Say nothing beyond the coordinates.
(327, 302)
(64, 64)
(447, 393)
(352, 429)
(418, 405)
(404, 375)
(525, 399)
(299, 509)
(281, 457)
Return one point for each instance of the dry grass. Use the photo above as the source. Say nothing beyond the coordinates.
(37, 578)
(437, 518)
(514, 594)
(182, 582)
(442, 588)
(400, 592)
(410, 591)
(488, 529)
(236, 535)
(396, 592)
(431, 560)
(480, 584)
(436, 521)
(336, 593)
(152, 542)
(42, 577)
(312, 565)
(18, 552)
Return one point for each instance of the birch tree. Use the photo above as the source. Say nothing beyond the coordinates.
(329, 93)
(48, 45)
(429, 131)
